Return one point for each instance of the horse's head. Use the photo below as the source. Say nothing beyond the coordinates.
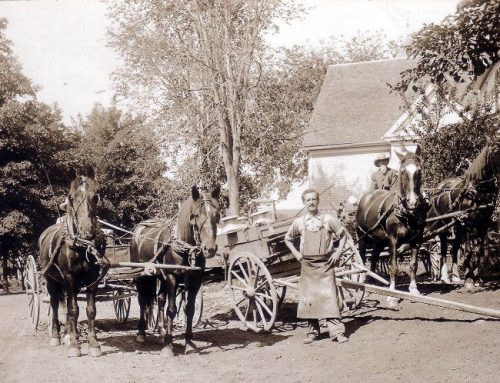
(204, 216)
(81, 206)
(410, 179)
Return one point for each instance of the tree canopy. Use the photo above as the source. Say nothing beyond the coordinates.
(34, 157)
(459, 49)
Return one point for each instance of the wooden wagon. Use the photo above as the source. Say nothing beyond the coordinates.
(260, 269)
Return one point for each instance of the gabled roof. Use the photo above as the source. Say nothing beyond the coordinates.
(355, 105)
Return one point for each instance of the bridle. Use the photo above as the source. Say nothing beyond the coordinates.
(196, 228)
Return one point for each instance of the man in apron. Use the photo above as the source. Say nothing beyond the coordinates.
(318, 298)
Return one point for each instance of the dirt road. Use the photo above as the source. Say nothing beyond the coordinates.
(419, 343)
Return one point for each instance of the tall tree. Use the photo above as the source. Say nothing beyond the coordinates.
(202, 57)
(34, 158)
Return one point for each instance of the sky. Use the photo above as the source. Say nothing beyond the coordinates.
(62, 44)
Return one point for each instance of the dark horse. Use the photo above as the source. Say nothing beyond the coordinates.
(474, 193)
(394, 218)
(186, 241)
(69, 251)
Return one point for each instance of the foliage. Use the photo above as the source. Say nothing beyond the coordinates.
(459, 49)
(229, 109)
(448, 149)
(125, 154)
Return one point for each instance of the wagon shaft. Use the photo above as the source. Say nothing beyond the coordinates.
(419, 298)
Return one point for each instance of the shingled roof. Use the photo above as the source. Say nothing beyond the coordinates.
(354, 105)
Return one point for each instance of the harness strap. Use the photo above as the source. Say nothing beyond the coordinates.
(55, 251)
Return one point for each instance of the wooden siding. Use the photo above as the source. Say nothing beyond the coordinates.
(338, 173)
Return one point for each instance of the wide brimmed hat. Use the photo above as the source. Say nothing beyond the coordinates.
(382, 159)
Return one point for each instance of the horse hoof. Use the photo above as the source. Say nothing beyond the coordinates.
(479, 283)
(95, 352)
(469, 285)
(446, 280)
(67, 340)
(167, 352)
(392, 303)
(414, 291)
(141, 338)
(74, 352)
(55, 342)
(188, 347)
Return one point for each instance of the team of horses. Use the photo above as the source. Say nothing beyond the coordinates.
(72, 251)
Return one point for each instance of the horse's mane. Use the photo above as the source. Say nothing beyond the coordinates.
(479, 168)
(184, 232)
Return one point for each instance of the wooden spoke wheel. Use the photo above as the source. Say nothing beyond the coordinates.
(253, 293)
(121, 306)
(350, 298)
(32, 291)
(181, 300)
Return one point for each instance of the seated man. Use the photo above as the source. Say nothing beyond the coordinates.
(384, 177)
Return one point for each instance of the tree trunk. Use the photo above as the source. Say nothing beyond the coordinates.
(233, 180)
(5, 281)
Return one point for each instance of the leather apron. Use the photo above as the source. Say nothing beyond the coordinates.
(317, 287)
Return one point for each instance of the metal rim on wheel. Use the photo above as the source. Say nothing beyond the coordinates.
(253, 293)
(32, 291)
(121, 306)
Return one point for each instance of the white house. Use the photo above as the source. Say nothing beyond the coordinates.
(356, 118)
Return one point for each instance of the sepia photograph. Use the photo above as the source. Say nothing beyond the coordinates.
(249, 191)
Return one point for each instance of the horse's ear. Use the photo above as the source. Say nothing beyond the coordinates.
(216, 192)
(89, 172)
(195, 193)
(401, 156)
(418, 150)
(64, 204)
(72, 174)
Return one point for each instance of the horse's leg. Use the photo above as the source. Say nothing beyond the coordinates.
(362, 246)
(162, 299)
(444, 249)
(72, 317)
(378, 247)
(455, 275)
(95, 348)
(144, 301)
(168, 349)
(413, 270)
(193, 285)
(393, 271)
(55, 292)
(468, 263)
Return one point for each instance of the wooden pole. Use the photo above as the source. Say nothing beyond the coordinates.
(147, 265)
(420, 298)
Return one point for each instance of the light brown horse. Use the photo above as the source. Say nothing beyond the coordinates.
(395, 217)
(69, 251)
(184, 241)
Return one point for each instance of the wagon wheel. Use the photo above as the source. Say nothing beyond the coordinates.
(252, 292)
(181, 300)
(351, 298)
(121, 306)
(152, 311)
(32, 291)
